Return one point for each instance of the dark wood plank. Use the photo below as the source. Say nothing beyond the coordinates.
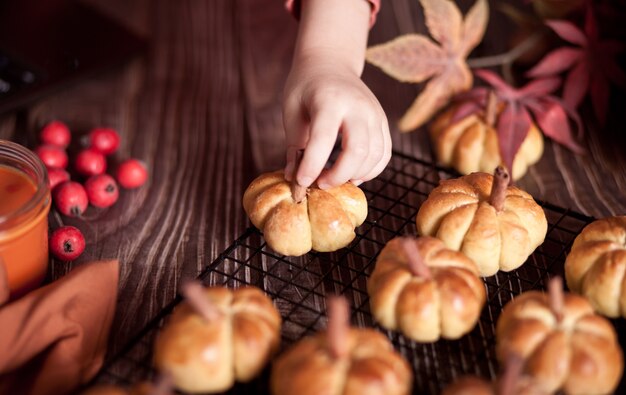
(202, 109)
(267, 42)
(180, 109)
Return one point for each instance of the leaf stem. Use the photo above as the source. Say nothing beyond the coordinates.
(506, 58)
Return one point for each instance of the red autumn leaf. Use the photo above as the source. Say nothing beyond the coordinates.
(592, 67)
(557, 61)
(468, 103)
(551, 117)
(576, 85)
(599, 88)
(539, 88)
(568, 32)
(417, 58)
(513, 124)
(550, 114)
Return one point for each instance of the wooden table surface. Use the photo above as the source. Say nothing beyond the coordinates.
(202, 109)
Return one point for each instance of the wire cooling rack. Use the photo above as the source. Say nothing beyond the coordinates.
(299, 285)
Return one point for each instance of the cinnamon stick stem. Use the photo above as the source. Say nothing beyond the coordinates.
(557, 297)
(501, 181)
(416, 261)
(512, 372)
(4, 283)
(298, 192)
(338, 326)
(194, 294)
(163, 385)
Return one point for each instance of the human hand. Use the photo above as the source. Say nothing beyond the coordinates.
(325, 98)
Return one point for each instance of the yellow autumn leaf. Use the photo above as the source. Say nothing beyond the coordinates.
(416, 58)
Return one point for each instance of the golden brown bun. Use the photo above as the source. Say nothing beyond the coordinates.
(446, 305)
(596, 266)
(141, 388)
(324, 221)
(469, 145)
(144, 388)
(105, 390)
(470, 385)
(579, 355)
(371, 367)
(458, 212)
(206, 357)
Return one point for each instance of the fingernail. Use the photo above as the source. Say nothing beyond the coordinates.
(323, 185)
(305, 181)
(357, 182)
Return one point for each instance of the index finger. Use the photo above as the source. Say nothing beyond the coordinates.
(322, 137)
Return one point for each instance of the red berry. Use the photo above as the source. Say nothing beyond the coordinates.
(90, 162)
(55, 133)
(70, 198)
(132, 174)
(57, 176)
(52, 157)
(67, 243)
(104, 140)
(102, 190)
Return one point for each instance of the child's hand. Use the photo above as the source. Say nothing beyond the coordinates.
(324, 96)
(323, 99)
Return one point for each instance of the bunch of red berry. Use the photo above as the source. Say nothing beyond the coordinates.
(99, 189)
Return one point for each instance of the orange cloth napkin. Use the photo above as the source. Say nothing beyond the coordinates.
(54, 338)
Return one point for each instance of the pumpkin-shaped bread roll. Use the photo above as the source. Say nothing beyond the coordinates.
(106, 390)
(425, 290)
(496, 225)
(564, 344)
(142, 388)
(469, 143)
(341, 361)
(294, 223)
(216, 337)
(469, 385)
(511, 382)
(596, 266)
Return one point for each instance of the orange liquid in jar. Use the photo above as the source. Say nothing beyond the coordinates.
(24, 240)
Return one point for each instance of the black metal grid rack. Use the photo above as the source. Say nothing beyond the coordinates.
(298, 285)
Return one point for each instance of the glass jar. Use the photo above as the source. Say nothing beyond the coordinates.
(24, 206)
